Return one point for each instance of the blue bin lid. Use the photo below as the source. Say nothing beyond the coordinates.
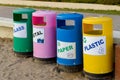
(69, 16)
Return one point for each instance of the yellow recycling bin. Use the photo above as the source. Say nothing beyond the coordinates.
(97, 46)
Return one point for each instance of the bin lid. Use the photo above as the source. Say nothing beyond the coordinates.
(23, 10)
(43, 13)
(96, 20)
(69, 16)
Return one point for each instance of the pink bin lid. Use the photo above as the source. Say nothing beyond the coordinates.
(39, 17)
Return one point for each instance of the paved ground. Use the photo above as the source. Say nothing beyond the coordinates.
(6, 20)
(7, 13)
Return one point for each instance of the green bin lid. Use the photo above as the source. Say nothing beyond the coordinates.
(23, 10)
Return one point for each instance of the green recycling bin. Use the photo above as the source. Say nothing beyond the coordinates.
(22, 31)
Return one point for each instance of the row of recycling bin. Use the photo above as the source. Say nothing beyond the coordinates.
(46, 35)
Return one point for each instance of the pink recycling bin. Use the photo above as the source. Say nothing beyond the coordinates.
(44, 35)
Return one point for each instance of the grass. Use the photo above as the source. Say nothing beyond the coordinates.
(114, 12)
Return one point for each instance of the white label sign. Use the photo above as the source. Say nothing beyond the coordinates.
(94, 45)
(38, 35)
(66, 50)
(20, 30)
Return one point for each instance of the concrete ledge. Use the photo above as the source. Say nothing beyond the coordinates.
(61, 5)
(6, 22)
(6, 30)
(116, 37)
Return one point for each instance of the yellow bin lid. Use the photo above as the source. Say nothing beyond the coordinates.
(96, 20)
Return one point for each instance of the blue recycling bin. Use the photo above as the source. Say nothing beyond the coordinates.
(69, 40)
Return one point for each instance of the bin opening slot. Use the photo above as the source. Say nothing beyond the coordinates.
(17, 17)
(20, 17)
(40, 21)
(94, 29)
(66, 24)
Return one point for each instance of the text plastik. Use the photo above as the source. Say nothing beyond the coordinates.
(94, 45)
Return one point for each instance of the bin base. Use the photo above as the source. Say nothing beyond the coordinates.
(70, 69)
(91, 76)
(45, 60)
(23, 54)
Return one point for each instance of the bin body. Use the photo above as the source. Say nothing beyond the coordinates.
(69, 39)
(44, 43)
(97, 45)
(22, 40)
